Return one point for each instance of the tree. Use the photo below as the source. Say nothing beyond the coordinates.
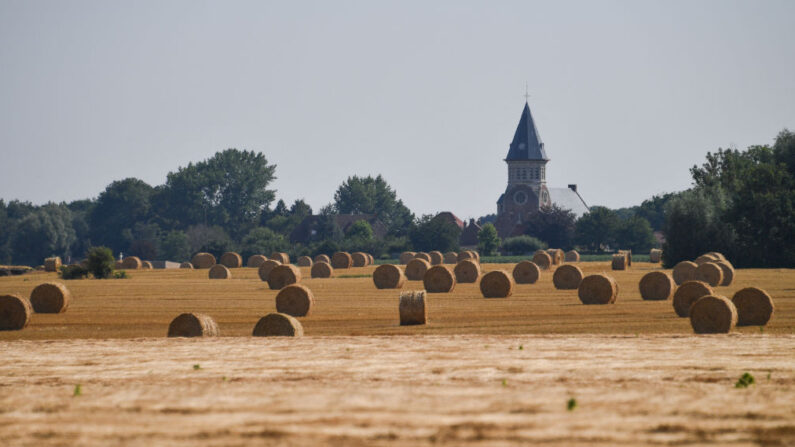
(653, 210)
(430, 233)
(45, 232)
(202, 238)
(123, 204)
(635, 234)
(360, 230)
(553, 225)
(368, 195)
(596, 229)
(261, 240)
(229, 189)
(175, 246)
(488, 241)
(522, 245)
(100, 262)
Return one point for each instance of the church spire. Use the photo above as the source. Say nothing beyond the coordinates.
(526, 144)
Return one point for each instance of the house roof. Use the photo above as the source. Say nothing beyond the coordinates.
(568, 199)
(526, 144)
(450, 217)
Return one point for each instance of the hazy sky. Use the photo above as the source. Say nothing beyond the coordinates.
(626, 95)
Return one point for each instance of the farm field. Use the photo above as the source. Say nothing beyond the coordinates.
(349, 304)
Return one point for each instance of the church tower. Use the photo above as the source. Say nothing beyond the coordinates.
(527, 184)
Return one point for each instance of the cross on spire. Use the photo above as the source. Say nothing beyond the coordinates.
(526, 93)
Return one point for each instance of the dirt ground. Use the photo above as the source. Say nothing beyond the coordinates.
(483, 372)
(382, 390)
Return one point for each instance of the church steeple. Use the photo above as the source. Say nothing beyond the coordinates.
(526, 144)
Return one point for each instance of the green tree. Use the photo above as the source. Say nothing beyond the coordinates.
(42, 233)
(368, 195)
(488, 241)
(596, 229)
(635, 234)
(175, 246)
(653, 210)
(430, 233)
(100, 262)
(123, 204)
(360, 229)
(553, 225)
(261, 240)
(215, 240)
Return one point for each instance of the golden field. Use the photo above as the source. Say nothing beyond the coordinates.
(143, 305)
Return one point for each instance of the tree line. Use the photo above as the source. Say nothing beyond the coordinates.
(741, 203)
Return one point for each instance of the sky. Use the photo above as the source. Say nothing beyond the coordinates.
(627, 95)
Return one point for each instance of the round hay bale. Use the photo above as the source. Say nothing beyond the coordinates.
(304, 261)
(118, 265)
(728, 272)
(526, 272)
(50, 298)
(451, 257)
(467, 271)
(254, 261)
(131, 263)
(341, 260)
(713, 314)
(266, 267)
(436, 257)
(231, 260)
(388, 276)
(557, 255)
(598, 289)
(193, 325)
(280, 256)
(655, 255)
(321, 269)
(203, 260)
(359, 259)
(295, 300)
(416, 268)
(656, 285)
(283, 275)
(439, 279)
(146, 265)
(413, 308)
(687, 294)
(703, 259)
(406, 256)
(15, 313)
(710, 273)
(371, 259)
(628, 254)
(322, 258)
(475, 254)
(52, 264)
(186, 265)
(754, 306)
(496, 284)
(220, 271)
(572, 256)
(542, 259)
(718, 255)
(424, 256)
(619, 261)
(466, 254)
(567, 277)
(684, 271)
(278, 325)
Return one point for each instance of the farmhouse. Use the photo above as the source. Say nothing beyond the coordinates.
(527, 189)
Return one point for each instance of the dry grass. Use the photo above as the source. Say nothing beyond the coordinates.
(143, 305)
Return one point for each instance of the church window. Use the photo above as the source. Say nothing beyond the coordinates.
(543, 173)
(535, 173)
(520, 197)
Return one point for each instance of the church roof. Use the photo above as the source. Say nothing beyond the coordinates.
(526, 144)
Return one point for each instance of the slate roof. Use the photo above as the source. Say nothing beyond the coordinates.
(568, 199)
(526, 144)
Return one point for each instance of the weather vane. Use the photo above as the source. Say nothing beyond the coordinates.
(526, 93)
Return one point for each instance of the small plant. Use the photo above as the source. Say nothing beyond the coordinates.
(504, 382)
(73, 272)
(77, 391)
(100, 262)
(761, 329)
(197, 367)
(521, 347)
(571, 404)
(224, 378)
(744, 381)
(768, 375)
(121, 274)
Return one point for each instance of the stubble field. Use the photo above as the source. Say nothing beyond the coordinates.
(483, 372)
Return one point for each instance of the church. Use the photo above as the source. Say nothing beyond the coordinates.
(527, 189)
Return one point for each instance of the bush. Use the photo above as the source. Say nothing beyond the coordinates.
(488, 241)
(101, 262)
(521, 245)
(121, 274)
(75, 271)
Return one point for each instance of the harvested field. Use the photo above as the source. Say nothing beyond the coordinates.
(145, 304)
(471, 390)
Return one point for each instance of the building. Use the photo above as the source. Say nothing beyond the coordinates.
(527, 190)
